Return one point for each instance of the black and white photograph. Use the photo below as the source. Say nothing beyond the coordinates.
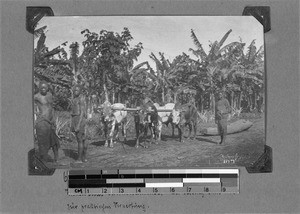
(148, 91)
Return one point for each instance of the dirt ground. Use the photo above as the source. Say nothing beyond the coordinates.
(241, 149)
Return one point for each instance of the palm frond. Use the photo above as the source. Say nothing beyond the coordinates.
(251, 51)
(231, 46)
(224, 38)
(197, 53)
(41, 42)
(198, 44)
(51, 76)
(140, 65)
(213, 50)
(58, 62)
(137, 72)
(164, 62)
(258, 54)
(52, 52)
(38, 32)
(159, 66)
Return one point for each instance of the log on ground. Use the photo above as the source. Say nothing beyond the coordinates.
(235, 127)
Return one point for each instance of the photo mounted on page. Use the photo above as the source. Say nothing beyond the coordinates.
(148, 91)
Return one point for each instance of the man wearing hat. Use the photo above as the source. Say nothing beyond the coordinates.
(222, 109)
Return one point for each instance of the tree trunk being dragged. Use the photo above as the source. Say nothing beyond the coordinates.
(235, 127)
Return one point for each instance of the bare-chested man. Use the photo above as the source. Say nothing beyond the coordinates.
(79, 114)
(44, 124)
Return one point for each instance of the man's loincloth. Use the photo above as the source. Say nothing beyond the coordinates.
(75, 121)
(46, 135)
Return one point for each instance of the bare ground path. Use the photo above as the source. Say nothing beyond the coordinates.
(241, 149)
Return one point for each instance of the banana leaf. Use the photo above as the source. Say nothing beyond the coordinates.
(198, 45)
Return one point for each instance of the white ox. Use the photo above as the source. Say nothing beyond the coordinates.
(112, 120)
(165, 117)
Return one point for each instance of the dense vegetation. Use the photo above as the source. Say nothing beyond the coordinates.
(106, 69)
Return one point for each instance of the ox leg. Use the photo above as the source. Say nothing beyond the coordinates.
(173, 134)
(137, 142)
(146, 127)
(111, 143)
(151, 132)
(137, 132)
(106, 137)
(141, 132)
(154, 133)
(124, 131)
(116, 133)
(190, 131)
(111, 135)
(180, 133)
(159, 130)
(195, 128)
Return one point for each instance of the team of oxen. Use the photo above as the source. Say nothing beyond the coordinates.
(150, 116)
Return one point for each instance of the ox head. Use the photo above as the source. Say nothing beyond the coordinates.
(106, 111)
(143, 115)
(140, 116)
(176, 116)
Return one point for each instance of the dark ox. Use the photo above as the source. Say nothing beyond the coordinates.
(144, 119)
(186, 116)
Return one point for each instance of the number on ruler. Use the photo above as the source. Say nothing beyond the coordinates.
(206, 189)
(104, 190)
(189, 189)
(155, 190)
(87, 190)
(121, 190)
(138, 190)
(172, 189)
(78, 190)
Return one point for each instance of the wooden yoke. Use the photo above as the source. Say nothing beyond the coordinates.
(136, 109)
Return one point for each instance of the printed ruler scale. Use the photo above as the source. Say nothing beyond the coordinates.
(153, 181)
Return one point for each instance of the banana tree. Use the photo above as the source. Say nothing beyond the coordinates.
(215, 64)
(53, 67)
(249, 75)
(139, 83)
(165, 77)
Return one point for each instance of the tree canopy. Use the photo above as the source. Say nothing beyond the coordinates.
(106, 69)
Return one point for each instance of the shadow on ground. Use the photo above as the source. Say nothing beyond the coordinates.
(206, 140)
(70, 153)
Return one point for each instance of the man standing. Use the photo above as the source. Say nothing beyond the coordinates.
(78, 114)
(222, 110)
(152, 116)
(44, 124)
